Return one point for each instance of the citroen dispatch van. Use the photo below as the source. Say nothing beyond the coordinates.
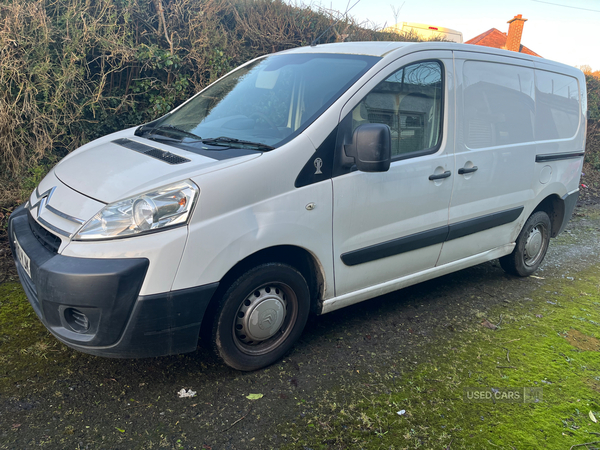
(302, 182)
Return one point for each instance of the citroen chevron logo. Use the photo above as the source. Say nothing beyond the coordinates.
(42, 199)
(267, 319)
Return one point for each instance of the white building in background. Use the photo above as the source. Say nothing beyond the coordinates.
(426, 32)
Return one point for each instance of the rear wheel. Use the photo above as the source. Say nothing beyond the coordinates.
(531, 246)
(260, 316)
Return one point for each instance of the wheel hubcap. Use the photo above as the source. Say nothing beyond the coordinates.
(534, 245)
(261, 315)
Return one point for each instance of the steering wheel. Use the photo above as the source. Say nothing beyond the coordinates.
(260, 116)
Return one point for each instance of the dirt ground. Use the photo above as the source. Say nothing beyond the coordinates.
(78, 401)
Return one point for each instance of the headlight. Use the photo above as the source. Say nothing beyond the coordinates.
(164, 207)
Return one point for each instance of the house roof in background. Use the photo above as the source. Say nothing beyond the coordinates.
(497, 39)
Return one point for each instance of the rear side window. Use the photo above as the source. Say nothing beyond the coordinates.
(557, 106)
(499, 106)
(410, 102)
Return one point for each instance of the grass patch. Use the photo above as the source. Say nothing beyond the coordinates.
(548, 341)
(27, 350)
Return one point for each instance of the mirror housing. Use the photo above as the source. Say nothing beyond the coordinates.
(371, 147)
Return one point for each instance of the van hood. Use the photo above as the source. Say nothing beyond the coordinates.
(122, 165)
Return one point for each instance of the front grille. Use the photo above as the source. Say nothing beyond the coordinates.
(47, 239)
(167, 157)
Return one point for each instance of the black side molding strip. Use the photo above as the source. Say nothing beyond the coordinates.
(558, 156)
(395, 246)
(471, 226)
(430, 237)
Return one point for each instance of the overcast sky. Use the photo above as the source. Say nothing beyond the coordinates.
(567, 31)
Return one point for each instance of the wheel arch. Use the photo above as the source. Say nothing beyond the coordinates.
(301, 259)
(554, 206)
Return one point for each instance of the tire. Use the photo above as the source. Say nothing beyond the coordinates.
(531, 246)
(260, 316)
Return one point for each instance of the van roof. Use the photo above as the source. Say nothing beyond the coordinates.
(384, 48)
(375, 48)
(396, 48)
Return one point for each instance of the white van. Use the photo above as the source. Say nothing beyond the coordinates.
(303, 181)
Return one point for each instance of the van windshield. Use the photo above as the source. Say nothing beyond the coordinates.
(267, 102)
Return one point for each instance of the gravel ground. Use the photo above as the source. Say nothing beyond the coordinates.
(86, 402)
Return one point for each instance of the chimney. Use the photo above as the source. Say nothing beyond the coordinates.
(515, 31)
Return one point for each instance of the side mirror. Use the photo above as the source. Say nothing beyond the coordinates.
(371, 147)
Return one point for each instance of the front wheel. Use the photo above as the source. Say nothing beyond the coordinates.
(531, 246)
(260, 316)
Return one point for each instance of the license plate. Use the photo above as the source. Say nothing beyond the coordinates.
(23, 258)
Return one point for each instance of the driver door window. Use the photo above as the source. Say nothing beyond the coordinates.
(410, 103)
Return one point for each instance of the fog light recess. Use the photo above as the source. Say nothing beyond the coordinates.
(77, 320)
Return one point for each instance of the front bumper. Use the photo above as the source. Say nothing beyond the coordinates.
(93, 304)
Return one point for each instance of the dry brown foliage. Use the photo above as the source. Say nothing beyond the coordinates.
(72, 70)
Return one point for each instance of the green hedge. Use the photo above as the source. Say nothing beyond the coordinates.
(593, 94)
(74, 70)
(592, 148)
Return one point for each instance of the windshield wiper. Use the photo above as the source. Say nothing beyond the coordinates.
(173, 128)
(155, 132)
(227, 141)
(159, 137)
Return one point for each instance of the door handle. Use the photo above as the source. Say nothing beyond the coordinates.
(439, 176)
(464, 170)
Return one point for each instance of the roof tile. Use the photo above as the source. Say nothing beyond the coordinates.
(496, 39)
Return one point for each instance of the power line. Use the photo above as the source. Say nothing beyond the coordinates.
(566, 6)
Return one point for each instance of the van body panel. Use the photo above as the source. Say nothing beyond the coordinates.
(560, 147)
(369, 208)
(409, 280)
(162, 250)
(258, 216)
(495, 136)
(116, 172)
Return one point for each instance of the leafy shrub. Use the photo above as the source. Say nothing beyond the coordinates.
(593, 92)
(74, 70)
(592, 156)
